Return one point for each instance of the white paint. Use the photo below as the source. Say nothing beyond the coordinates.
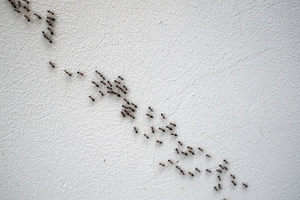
(226, 72)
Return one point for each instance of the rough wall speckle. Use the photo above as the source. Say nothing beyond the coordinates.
(226, 72)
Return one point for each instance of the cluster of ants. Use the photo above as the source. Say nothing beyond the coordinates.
(128, 109)
(24, 9)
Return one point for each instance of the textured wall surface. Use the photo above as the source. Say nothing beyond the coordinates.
(226, 72)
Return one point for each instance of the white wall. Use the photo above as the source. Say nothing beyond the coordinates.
(226, 72)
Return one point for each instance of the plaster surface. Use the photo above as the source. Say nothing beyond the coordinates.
(226, 72)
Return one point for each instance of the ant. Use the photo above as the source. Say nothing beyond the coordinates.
(52, 65)
(92, 98)
(150, 109)
(232, 176)
(219, 186)
(135, 129)
(162, 164)
(37, 16)
(219, 178)
(26, 1)
(225, 161)
(17, 11)
(123, 114)
(170, 162)
(68, 73)
(52, 13)
(184, 153)
(26, 8)
(101, 93)
(125, 87)
(117, 82)
(218, 170)
(190, 173)
(215, 188)
(163, 116)
(208, 170)
(51, 18)
(51, 32)
(180, 143)
(159, 141)
(94, 83)
(172, 124)
(177, 151)
(149, 115)
(245, 185)
(152, 128)
(28, 19)
(174, 134)
(207, 155)
(80, 73)
(163, 130)
(109, 83)
(191, 152)
(197, 169)
(233, 183)
(200, 149)
(146, 136)
(189, 147)
(45, 36)
(134, 105)
(48, 22)
(169, 128)
(103, 82)
(127, 101)
(120, 78)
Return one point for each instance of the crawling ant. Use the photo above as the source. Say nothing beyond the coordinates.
(131, 116)
(190, 173)
(215, 188)
(45, 36)
(100, 75)
(162, 164)
(149, 115)
(13, 4)
(170, 161)
(163, 116)
(221, 166)
(52, 65)
(48, 22)
(101, 93)
(17, 11)
(219, 178)
(200, 149)
(180, 143)
(26, 1)
(68, 73)
(127, 101)
(207, 155)
(178, 167)
(182, 172)
(191, 152)
(28, 19)
(219, 186)
(135, 129)
(208, 170)
(37, 16)
(51, 18)
(120, 78)
(218, 170)
(174, 134)
(169, 128)
(189, 147)
(109, 83)
(51, 32)
(158, 141)
(109, 88)
(126, 112)
(232, 181)
(19, 3)
(27, 9)
(177, 151)
(225, 168)
(152, 128)
(123, 114)
(197, 169)
(150, 109)
(245, 185)
(225, 161)
(95, 83)
(134, 105)
(184, 153)
(146, 136)
(52, 13)
(80, 73)
(163, 130)
(103, 82)
(92, 98)
(117, 82)
(125, 87)
(172, 124)
(232, 176)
